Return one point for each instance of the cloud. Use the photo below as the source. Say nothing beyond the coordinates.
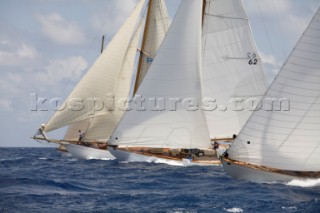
(5, 105)
(16, 53)
(276, 7)
(59, 69)
(115, 18)
(26, 51)
(268, 59)
(55, 27)
(269, 7)
(271, 66)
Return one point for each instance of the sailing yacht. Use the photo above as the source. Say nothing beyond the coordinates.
(281, 141)
(92, 107)
(208, 52)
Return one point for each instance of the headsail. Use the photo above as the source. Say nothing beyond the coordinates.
(98, 85)
(174, 73)
(232, 71)
(72, 133)
(101, 127)
(288, 139)
(154, 32)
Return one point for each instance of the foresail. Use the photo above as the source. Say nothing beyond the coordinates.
(101, 127)
(157, 25)
(232, 70)
(174, 73)
(72, 133)
(285, 134)
(93, 95)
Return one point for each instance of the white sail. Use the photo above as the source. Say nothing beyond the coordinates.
(174, 73)
(288, 140)
(231, 67)
(157, 25)
(93, 94)
(101, 127)
(73, 134)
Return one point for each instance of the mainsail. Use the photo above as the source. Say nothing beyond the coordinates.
(174, 74)
(282, 138)
(232, 70)
(157, 24)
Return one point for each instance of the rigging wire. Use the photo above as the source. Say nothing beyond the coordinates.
(262, 17)
(282, 41)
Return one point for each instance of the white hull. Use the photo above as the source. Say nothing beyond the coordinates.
(125, 156)
(246, 173)
(87, 153)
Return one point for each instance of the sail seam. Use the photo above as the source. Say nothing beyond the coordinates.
(227, 17)
(280, 140)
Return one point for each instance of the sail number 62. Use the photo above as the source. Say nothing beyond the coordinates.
(253, 58)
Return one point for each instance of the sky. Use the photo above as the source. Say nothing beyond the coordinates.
(47, 46)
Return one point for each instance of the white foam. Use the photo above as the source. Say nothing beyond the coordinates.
(169, 162)
(42, 158)
(105, 159)
(289, 207)
(95, 158)
(234, 210)
(305, 183)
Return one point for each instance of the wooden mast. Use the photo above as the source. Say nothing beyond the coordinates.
(138, 75)
(204, 10)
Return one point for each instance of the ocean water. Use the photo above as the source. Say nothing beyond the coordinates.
(43, 180)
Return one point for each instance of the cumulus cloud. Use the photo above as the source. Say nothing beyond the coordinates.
(59, 69)
(13, 54)
(55, 27)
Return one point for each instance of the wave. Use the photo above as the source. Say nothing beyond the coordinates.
(94, 158)
(234, 210)
(168, 162)
(304, 183)
(43, 186)
(11, 159)
(42, 158)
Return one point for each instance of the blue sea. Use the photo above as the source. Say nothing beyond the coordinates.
(43, 180)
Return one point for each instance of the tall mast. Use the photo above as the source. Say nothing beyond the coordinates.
(138, 75)
(204, 10)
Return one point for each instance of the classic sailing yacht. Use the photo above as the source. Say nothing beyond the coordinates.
(221, 62)
(281, 143)
(107, 82)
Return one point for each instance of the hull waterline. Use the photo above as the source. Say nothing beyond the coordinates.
(87, 153)
(128, 156)
(243, 172)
